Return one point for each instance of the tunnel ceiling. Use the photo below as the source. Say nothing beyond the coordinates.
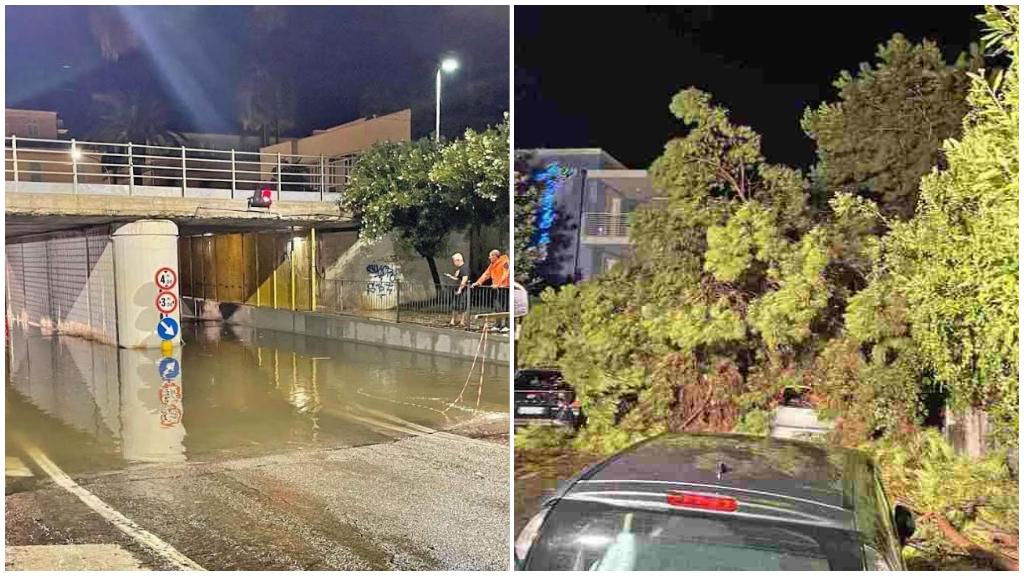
(21, 225)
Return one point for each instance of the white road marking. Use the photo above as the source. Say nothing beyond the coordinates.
(120, 521)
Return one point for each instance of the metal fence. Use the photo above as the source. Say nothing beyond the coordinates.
(138, 166)
(419, 303)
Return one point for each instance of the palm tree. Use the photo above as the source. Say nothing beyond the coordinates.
(112, 32)
(266, 106)
(137, 118)
(266, 96)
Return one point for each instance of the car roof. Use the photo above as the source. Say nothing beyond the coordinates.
(539, 372)
(818, 481)
(539, 375)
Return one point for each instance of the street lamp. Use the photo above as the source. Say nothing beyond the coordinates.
(447, 65)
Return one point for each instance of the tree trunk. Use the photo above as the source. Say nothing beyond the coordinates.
(967, 430)
(433, 272)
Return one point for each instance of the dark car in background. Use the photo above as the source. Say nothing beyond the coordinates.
(720, 502)
(542, 397)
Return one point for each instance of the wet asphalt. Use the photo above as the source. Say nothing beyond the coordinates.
(430, 502)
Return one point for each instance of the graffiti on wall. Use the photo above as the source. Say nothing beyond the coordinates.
(383, 279)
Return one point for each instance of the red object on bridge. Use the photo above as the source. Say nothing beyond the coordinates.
(262, 199)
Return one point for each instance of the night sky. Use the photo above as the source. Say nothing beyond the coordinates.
(345, 62)
(603, 77)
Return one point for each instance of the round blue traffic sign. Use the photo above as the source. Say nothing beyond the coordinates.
(167, 328)
(169, 368)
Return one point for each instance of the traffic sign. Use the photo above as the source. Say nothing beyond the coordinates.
(169, 368)
(167, 328)
(166, 302)
(166, 278)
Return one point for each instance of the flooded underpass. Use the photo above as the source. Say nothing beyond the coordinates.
(253, 449)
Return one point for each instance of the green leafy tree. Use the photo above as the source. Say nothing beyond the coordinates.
(423, 191)
(724, 304)
(886, 129)
(390, 190)
(954, 266)
(475, 168)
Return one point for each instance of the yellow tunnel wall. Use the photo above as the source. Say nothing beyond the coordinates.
(262, 269)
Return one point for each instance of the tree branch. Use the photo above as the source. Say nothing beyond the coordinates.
(996, 558)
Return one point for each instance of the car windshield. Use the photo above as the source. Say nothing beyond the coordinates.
(581, 535)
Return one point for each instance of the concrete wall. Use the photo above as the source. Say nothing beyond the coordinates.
(64, 282)
(442, 342)
(344, 255)
(351, 137)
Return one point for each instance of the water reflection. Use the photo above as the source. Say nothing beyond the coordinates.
(233, 391)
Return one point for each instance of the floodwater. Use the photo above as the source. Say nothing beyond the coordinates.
(229, 392)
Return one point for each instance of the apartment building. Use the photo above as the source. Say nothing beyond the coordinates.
(590, 233)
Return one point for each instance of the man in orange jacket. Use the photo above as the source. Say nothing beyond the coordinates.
(498, 274)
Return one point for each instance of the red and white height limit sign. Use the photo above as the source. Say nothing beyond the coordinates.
(166, 279)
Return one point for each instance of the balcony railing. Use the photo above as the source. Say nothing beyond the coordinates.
(606, 227)
(83, 167)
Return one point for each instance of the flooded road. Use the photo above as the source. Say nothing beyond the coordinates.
(262, 450)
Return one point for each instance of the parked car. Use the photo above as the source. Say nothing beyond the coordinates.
(543, 397)
(720, 502)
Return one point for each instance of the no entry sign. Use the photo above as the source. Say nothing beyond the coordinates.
(166, 302)
(166, 278)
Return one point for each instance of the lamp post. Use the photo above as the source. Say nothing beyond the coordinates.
(447, 65)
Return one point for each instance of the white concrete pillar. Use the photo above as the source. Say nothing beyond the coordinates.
(144, 251)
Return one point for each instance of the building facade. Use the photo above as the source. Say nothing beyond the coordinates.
(590, 233)
(32, 124)
(340, 144)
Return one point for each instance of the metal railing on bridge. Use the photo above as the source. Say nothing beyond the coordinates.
(85, 167)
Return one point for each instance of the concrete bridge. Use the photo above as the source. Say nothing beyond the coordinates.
(53, 185)
(77, 212)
